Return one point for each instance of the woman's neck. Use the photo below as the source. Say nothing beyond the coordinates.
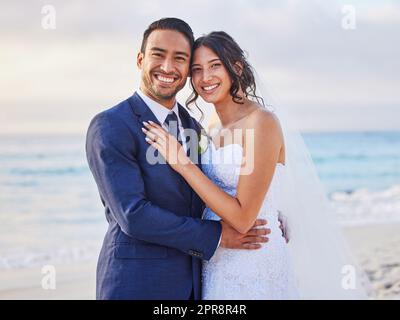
(230, 112)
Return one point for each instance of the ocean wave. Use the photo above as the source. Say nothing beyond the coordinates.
(364, 206)
(49, 171)
(26, 258)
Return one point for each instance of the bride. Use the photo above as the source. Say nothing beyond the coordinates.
(246, 175)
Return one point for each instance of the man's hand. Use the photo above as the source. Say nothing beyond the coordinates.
(233, 239)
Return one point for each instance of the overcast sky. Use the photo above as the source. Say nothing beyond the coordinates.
(332, 78)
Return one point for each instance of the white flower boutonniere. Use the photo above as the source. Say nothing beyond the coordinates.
(204, 141)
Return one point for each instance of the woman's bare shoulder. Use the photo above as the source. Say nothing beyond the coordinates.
(261, 118)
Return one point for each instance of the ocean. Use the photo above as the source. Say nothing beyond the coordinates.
(50, 211)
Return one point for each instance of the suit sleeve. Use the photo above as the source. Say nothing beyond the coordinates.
(110, 150)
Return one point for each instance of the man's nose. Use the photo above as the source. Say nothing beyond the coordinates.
(167, 66)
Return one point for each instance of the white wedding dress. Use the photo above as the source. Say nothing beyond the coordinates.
(262, 274)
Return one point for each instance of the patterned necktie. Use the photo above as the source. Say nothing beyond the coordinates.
(173, 126)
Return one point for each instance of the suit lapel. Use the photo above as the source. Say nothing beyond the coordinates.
(144, 113)
(189, 123)
(140, 108)
(193, 143)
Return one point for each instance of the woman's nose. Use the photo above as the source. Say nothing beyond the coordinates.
(207, 76)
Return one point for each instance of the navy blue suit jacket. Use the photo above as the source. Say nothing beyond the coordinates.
(156, 239)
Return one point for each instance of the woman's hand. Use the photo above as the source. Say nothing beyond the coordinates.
(167, 145)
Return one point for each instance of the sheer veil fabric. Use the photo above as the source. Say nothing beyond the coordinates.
(324, 266)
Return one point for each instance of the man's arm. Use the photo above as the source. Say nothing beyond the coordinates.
(115, 169)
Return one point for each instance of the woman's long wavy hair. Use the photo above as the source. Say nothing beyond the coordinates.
(231, 56)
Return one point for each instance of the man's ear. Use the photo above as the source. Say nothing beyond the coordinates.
(238, 68)
(139, 60)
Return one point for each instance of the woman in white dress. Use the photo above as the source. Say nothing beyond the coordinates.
(242, 176)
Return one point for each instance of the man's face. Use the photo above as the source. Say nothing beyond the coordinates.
(164, 65)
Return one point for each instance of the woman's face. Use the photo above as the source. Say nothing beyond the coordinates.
(209, 76)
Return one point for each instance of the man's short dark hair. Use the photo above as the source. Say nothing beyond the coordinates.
(174, 24)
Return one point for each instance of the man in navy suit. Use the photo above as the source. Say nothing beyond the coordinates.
(156, 239)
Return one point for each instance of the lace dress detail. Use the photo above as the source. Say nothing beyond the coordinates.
(261, 274)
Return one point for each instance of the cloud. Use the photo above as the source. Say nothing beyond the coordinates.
(301, 51)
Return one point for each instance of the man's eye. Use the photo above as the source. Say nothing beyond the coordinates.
(182, 59)
(157, 55)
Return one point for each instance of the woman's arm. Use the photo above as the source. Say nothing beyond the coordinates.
(261, 158)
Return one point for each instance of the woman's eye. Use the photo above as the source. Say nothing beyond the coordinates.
(215, 65)
(195, 70)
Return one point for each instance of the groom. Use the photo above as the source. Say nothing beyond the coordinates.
(156, 239)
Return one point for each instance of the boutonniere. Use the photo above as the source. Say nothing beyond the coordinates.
(204, 141)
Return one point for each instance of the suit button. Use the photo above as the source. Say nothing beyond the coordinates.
(195, 253)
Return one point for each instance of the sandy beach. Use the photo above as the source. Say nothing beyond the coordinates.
(376, 246)
(73, 282)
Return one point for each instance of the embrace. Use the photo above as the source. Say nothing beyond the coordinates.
(202, 221)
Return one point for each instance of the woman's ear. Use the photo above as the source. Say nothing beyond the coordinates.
(238, 68)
